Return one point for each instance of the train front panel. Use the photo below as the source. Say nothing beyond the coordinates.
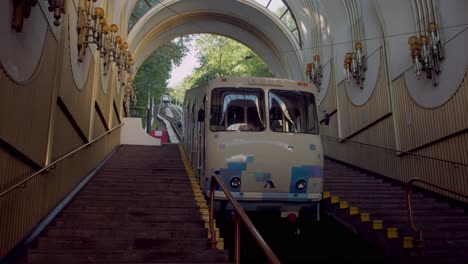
(264, 144)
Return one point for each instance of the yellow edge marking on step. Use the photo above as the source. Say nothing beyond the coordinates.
(220, 244)
(365, 217)
(377, 224)
(353, 210)
(326, 195)
(335, 199)
(392, 232)
(200, 200)
(343, 204)
(408, 242)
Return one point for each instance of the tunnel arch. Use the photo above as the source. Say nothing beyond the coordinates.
(259, 30)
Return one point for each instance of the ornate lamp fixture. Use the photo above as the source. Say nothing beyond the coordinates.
(130, 94)
(427, 50)
(315, 71)
(92, 28)
(355, 65)
(355, 61)
(58, 8)
(87, 25)
(427, 54)
(22, 10)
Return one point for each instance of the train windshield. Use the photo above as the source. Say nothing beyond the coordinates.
(292, 112)
(237, 109)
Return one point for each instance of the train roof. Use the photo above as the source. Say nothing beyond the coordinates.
(194, 96)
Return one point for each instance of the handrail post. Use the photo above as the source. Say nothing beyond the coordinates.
(419, 241)
(240, 216)
(212, 230)
(237, 238)
(409, 184)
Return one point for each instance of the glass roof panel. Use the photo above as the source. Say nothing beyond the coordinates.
(277, 7)
(263, 2)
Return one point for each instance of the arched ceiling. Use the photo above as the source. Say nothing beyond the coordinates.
(326, 27)
(278, 7)
(248, 22)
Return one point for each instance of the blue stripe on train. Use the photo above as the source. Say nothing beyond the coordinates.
(304, 173)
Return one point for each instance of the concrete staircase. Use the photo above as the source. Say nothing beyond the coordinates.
(375, 209)
(140, 208)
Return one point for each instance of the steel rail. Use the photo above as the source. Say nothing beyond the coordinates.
(171, 121)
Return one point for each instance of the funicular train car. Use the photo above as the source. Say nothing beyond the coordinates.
(261, 135)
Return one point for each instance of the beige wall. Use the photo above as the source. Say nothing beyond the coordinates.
(439, 133)
(35, 124)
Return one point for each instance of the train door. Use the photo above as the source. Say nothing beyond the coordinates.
(194, 138)
(201, 140)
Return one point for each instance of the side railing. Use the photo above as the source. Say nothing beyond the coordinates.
(408, 190)
(422, 171)
(241, 217)
(23, 182)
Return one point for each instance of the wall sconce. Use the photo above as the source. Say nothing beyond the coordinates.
(427, 54)
(315, 72)
(426, 48)
(58, 8)
(108, 46)
(121, 59)
(130, 94)
(355, 65)
(92, 28)
(22, 10)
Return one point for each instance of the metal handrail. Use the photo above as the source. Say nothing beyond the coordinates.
(240, 216)
(24, 181)
(408, 189)
(400, 151)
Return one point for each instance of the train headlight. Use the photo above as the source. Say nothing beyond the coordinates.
(235, 182)
(301, 184)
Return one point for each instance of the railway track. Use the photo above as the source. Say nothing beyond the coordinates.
(173, 117)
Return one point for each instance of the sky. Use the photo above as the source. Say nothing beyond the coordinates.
(189, 62)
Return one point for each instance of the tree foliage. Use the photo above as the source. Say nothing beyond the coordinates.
(220, 56)
(153, 75)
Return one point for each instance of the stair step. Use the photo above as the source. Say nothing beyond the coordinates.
(131, 210)
(125, 256)
(113, 193)
(176, 203)
(135, 217)
(137, 197)
(121, 244)
(125, 233)
(376, 205)
(444, 228)
(145, 188)
(116, 223)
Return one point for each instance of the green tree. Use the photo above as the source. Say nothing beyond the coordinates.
(177, 92)
(153, 75)
(220, 56)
